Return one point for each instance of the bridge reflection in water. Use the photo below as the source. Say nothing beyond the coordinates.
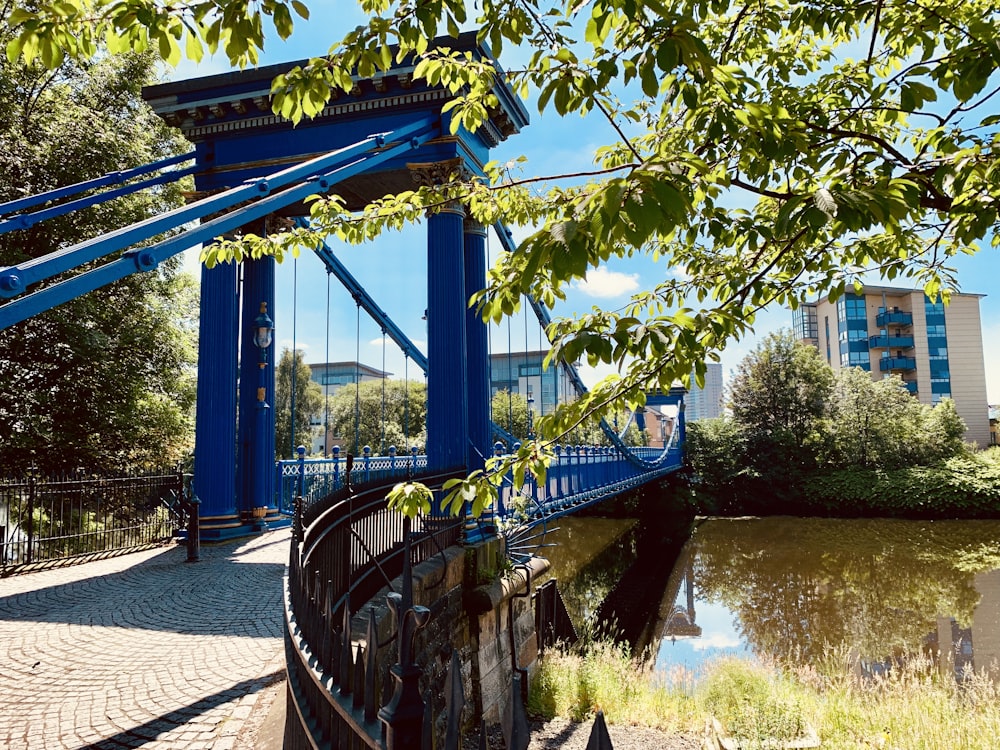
(879, 593)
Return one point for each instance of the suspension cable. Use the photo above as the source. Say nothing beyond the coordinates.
(357, 381)
(326, 375)
(382, 445)
(510, 387)
(406, 400)
(294, 379)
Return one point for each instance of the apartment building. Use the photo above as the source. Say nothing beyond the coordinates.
(936, 350)
(332, 376)
(706, 402)
(522, 372)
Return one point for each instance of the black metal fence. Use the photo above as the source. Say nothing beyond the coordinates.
(48, 521)
(344, 549)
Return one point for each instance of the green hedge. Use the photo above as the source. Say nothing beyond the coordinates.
(963, 487)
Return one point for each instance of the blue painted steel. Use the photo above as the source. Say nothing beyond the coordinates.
(581, 476)
(338, 269)
(256, 423)
(320, 174)
(447, 384)
(544, 319)
(477, 347)
(112, 178)
(313, 479)
(25, 221)
(215, 426)
(148, 258)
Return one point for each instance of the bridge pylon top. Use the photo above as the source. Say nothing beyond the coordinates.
(237, 137)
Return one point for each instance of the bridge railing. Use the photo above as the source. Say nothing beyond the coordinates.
(315, 478)
(346, 547)
(583, 473)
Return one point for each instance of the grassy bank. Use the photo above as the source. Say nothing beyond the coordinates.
(912, 707)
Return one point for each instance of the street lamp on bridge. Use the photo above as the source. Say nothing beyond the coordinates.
(263, 331)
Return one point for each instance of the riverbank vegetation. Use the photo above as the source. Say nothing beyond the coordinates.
(805, 440)
(911, 706)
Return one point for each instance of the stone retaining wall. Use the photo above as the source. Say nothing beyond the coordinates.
(471, 606)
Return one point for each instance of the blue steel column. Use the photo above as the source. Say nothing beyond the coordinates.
(477, 347)
(447, 401)
(215, 419)
(256, 435)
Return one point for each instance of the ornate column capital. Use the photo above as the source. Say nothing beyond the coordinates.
(434, 173)
(472, 226)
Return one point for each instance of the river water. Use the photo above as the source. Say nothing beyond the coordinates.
(869, 591)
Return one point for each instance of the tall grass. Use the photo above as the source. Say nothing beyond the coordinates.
(912, 707)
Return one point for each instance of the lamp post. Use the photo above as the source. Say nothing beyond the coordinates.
(263, 330)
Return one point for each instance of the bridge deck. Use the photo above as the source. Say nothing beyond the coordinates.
(143, 649)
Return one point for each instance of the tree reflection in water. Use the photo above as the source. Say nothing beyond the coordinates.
(803, 589)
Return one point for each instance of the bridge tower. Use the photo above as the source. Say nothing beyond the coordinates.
(238, 139)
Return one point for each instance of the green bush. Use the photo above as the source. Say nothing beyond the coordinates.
(753, 704)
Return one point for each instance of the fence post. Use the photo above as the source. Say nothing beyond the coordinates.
(31, 513)
(301, 450)
(367, 459)
(336, 466)
(194, 529)
(403, 716)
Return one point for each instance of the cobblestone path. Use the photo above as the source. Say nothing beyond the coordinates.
(144, 650)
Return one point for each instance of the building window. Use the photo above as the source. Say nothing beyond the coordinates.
(937, 350)
(852, 329)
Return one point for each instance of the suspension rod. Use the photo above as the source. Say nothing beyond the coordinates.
(109, 179)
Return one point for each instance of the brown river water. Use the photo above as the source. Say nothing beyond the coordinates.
(871, 592)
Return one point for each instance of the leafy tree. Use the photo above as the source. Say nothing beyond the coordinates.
(292, 369)
(716, 451)
(383, 413)
(772, 151)
(878, 424)
(106, 381)
(779, 396)
(510, 411)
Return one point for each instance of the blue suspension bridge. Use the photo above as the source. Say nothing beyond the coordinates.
(251, 168)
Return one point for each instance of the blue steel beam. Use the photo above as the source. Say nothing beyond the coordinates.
(26, 221)
(15, 279)
(364, 299)
(148, 258)
(112, 178)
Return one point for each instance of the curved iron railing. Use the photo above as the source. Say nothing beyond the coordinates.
(346, 547)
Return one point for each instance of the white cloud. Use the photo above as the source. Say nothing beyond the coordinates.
(605, 284)
(302, 346)
(715, 641)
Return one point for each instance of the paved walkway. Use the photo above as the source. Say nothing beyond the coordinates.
(144, 650)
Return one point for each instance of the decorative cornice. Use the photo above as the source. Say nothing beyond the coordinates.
(190, 120)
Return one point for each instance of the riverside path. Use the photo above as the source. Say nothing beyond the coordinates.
(143, 650)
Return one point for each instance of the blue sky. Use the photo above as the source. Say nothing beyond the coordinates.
(393, 268)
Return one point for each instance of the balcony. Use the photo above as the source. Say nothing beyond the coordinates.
(893, 318)
(897, 363)
(890, 342)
